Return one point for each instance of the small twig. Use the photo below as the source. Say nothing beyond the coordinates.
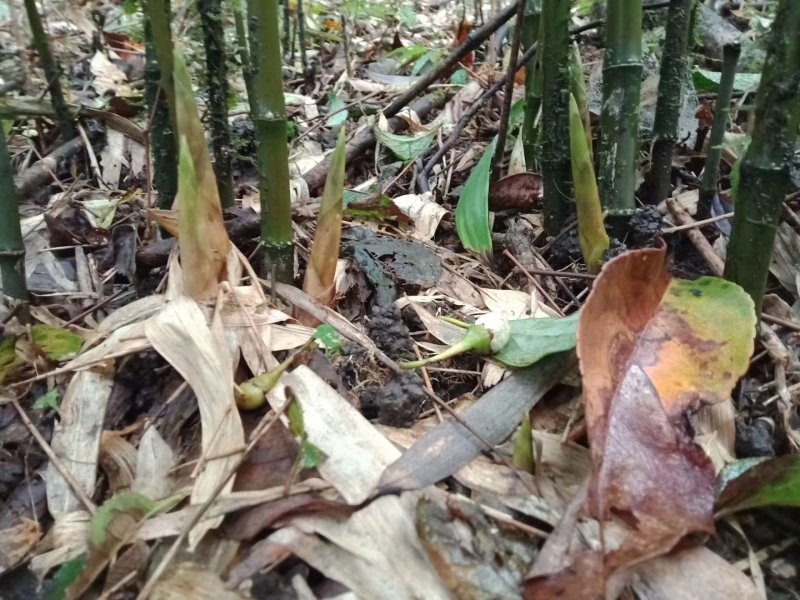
(76, 487)
(697, 223)
(508, 91)
(428, 385)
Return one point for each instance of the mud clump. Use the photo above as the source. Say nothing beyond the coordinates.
(386, 328)
(645, 226)
(397, 404)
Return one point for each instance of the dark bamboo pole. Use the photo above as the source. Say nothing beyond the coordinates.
(764, 171)
(217, 81)
(269, 119)
(722, 109)
(533, 80)
(12, 248)
(555, 160)
(52, 71)
(243, 45)
(159, 93)
(618, 150)
(670, 95)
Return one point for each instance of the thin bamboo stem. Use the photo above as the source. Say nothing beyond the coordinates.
(12, 248)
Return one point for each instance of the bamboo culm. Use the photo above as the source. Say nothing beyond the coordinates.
(269, 120)
(217, 81)
(533, 81)
(556, 163)
(618, 150)
(52, 71)
(163, 146)
(12, 248)
(670, 96)
(722, 109)
(764, 171)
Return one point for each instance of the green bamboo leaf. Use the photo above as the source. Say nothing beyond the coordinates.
(66, 575)
(472, 211)
(773, 482)
(533, 339)
(405, 147)
(523, 457)
(56, 343)
(591, 231)
(708, 81)
(337, 111)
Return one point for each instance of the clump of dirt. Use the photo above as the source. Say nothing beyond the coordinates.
(615, 248)
(565, 251)
(645, 226)
(754, 440)
(397, 404)
(386, 328)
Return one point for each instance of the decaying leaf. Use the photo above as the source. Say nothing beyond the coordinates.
(652, 349)
(325, 251)
(519, 192)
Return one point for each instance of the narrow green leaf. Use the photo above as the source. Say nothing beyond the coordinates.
(309, 456)
(591, 231)
(523, 446)
(56, 343)
(472, 211)
(294, 412)
(773, 482)
(533, 339)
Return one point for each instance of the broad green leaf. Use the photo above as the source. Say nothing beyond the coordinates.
(533, 339)
(772, 482)
(472, 211)
(328, 337)
(66, 575)
(708, 81)
(405, 147)
(591, 230)
(459, 77)
(47, 401)
(56, 343)
(337, 111)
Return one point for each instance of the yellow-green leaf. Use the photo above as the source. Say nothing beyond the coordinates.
(56, 343)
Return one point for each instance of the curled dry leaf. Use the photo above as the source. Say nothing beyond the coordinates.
(652, 349)
(520, 192)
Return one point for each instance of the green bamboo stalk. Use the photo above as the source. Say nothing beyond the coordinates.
(555, 160)
(12, 248)
(618, 150)
(242, 45)
(163, 146)
(674, 61)
(764, 170)
(217, 81)
(269, 119)
(531, 24)
(722, 109)
(158, 15)
(52, 71)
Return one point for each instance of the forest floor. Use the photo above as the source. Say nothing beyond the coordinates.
(117, 453)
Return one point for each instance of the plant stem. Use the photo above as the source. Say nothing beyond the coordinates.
(242, 45)
(533, 80)
(217, 81)
(12, 248)
(764, 171)
(308, 71)
(618, 150)
(722, 109)
(269, 120)
(555, 161)
(52, 71)
(670, 96)
(508, 91)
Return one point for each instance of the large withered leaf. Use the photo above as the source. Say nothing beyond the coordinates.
(204, 243)
(652, 349)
